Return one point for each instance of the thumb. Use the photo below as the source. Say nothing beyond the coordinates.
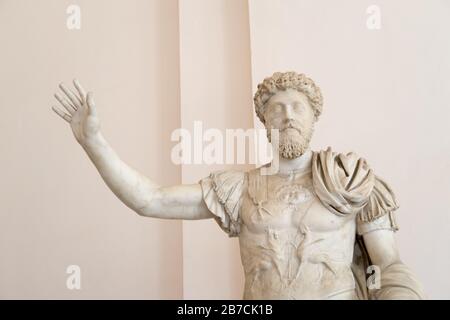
(91, 104)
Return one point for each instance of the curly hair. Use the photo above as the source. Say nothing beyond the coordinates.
(287, 80)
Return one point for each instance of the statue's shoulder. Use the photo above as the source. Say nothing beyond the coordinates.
(346, 184)
(342, 181)
(339, 162)
(227, 179)
(223, 194)
(227, 185)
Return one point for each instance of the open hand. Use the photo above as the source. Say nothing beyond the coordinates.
(81, 112)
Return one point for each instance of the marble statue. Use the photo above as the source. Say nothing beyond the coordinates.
(313, 230)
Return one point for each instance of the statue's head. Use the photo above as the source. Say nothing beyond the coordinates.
(291, 103)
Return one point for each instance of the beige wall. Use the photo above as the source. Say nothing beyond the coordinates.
(216, 89)
(158, 65)
(55, 210)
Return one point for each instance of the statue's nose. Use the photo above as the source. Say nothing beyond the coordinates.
(289, 112)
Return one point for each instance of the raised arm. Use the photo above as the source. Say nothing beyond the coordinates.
(136, 191)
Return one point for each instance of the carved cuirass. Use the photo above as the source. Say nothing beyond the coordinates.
(292, 247)
(298, 231)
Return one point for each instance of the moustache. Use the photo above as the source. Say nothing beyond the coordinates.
(291, 126)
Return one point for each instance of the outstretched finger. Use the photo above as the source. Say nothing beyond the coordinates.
(62, 114)
(69, 107)
(91, 104)
(72, 97)
(80, 90)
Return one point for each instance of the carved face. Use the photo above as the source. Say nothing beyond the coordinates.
(290, 112)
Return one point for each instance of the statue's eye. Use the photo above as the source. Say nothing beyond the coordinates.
(297, 107)
(277, 107)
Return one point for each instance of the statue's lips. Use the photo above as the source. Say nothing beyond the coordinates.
(291, 129)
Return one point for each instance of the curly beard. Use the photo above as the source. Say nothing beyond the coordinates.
(293, 146)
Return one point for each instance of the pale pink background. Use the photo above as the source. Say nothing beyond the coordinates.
(55, 210)
(156, 65)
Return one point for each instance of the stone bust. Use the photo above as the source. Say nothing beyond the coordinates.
(313, 230)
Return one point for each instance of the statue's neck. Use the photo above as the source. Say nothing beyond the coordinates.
(302, 163)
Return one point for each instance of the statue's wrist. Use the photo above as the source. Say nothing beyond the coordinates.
(93, 142)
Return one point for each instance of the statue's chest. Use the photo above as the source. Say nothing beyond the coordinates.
(286, 202)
